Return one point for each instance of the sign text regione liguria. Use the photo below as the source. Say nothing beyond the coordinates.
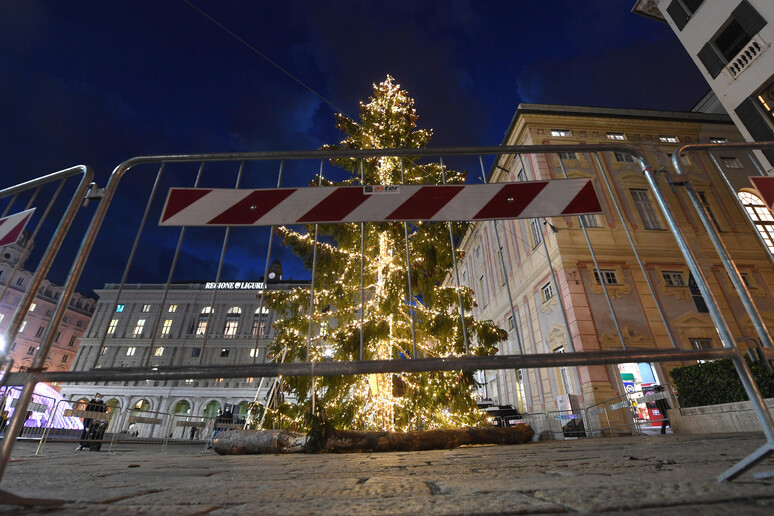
(378, 203)
(234, 285)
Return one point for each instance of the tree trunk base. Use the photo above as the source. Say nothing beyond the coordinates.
(249, 442)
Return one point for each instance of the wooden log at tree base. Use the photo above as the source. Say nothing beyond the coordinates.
(341, 441)
(348, 441)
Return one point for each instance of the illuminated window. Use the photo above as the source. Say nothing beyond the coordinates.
(23, 325)
(130, 351)
(668, 139)
(616, 136)
(717, 140)
(232, 322)
(560, 132)
(254, 353)
(102, 350)
(172, 308)
(112, 327)
(166, 328)
(158, 352)
(137, 332)
(761, 217)
(119, 308)
(32, 307)
(224, 352)
(590, 221)
(146, 308)
(259, 328)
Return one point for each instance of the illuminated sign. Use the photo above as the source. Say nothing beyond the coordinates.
(234, 285)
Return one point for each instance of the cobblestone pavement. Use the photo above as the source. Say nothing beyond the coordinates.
(650, 475)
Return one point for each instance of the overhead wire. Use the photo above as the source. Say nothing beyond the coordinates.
(264, 56)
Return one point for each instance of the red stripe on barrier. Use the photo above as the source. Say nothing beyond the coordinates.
(181, 198)
(511, 200)
(336, 206)
(15, 231)
(585, 202)
(425, 202)
(765, 186)
(252, 207)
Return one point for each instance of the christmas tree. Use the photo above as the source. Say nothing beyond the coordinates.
(394, 402)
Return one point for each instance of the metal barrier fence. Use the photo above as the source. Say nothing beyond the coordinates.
(534, 360)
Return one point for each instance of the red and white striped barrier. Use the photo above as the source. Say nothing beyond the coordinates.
(765, 186)
(12, 226)
(334, 204)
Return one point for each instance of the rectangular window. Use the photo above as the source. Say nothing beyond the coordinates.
(715, 139)
(112, 327)
(31, 350)
(254, 353)
(138, 328)
(32, 307)
(259, 329)
(510, 323)
(58, 334)
(616, 136)
(645, 209)
(158, 352)
(119, 308)
(731, 162)
(230, 330)
(65, 358)
(609, 276)
(201, 328)
(547, 292)
(40, 331)
(623, 157)
(560, 132)
(20, 282)
(668, 139)
(172, 308)
(130, 351)
(166, 328)
(224, 352)
(536, 232)
(195, 352)
(79, 323)
(708, 207)
(102, 351)
(590, 221)
(23, 325)
(484, 293)
(146, 308)
(567, 155)
(674, 278)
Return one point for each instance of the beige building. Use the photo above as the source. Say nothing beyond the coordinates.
(675, 315)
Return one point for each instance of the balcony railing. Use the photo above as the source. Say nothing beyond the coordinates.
(747, 55)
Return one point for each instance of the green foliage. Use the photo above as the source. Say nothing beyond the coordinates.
(421, 400)
(712, 383)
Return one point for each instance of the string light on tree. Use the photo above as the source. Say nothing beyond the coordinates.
(443, 399)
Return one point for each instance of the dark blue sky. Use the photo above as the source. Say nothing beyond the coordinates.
(99, 82)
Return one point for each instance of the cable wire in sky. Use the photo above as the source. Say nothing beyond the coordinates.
(264, 56)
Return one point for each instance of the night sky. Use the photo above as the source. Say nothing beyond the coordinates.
(98, 82)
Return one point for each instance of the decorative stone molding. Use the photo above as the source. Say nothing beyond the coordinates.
(632, 339)
(614, 291)
(753, 286)
(683, 293)
(548, 305)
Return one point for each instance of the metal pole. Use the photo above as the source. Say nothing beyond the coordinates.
(456, 274)
(502, 267)
(614, 200)
(362, 264)
(408, 276)
(311, 304)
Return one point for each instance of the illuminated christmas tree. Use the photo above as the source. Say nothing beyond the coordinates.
(444, 399)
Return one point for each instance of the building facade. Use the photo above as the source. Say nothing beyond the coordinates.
(188, 324)
(730, 42)
(534, 314)
(14, 280)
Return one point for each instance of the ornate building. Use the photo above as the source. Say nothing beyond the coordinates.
(198, 324)
(587, 292)
(14, 280)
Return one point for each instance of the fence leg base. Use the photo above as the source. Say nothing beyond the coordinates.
(7, 498)
(746, 463)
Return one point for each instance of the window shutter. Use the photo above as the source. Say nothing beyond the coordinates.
(748, 18)
(759, 129)
(678, 14)
(711, 61)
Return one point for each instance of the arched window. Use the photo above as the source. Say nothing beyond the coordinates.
(761, 217)
(232, 322)
(259, 321)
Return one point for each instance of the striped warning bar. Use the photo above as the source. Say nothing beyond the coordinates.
(13, 225)
(380, 203)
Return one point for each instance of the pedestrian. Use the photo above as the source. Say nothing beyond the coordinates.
(663, 405)
(95, 405)
(223, 418)
(194, 432)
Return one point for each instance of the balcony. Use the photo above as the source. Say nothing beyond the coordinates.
(747, 55)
